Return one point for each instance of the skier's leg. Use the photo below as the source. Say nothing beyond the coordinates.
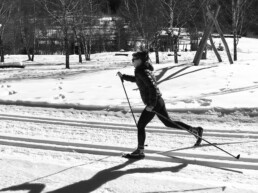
(145, 118)
(164, 117)
(174, 124)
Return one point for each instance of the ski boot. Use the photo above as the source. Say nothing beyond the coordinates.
(136, 154)
(198, 131)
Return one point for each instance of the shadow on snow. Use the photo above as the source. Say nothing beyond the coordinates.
(96, 181)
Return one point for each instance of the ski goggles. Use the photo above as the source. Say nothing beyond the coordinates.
(135, 59)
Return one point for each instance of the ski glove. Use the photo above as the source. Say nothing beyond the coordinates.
(149, 108)
(120, 75)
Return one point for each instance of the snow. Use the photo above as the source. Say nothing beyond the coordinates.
(184, 86)
(49, 141)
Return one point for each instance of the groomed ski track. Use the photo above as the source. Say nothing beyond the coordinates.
(129, 127)
(169, 156)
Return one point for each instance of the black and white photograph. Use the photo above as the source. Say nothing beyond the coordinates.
(128, 96)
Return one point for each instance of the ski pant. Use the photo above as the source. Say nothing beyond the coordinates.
(147, 116)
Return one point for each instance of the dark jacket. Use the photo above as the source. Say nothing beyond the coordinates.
(146, 82)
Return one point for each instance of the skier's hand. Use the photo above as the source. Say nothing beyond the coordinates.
(149, 108)
(120, 75)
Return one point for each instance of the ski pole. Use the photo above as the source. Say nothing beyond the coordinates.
(129, 102)
(236, 157)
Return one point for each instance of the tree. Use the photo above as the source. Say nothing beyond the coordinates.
(212, 12)
(26, 17)
(252, 17)
(145, 19)
(62, 11)
(6, 7)
(206, 21)
(237, 17)
(178, 14)
(89, 13)
(84, 20)
(239, 11)
(77, 27)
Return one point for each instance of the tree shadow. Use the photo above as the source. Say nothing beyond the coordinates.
(173, 76)
(110, 174)
(164, 70)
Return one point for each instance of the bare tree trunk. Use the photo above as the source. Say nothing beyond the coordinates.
(80, 52)
(34, 32)
(33, 52)
(22, 31)
(204, 39)
(78, 42)
(239, 10)
(156, 47)
(24, 39)
(235, 3)
(89, 42)
(85, 49)
(204, 54)
(235, 46)
(67, 51)
(175, 50)
(25, 43)
(2, 49)
(176, 46)
(89, 51)
(215, 49)
(5, 17)
(171, 25)
(157, 55)
(174, 40)
(223, 39)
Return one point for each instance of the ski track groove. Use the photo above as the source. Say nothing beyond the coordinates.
(167, 156)
(127, 127)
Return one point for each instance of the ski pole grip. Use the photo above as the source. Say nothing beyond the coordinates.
(120, 76)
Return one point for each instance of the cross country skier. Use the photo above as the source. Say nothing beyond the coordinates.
(151, 97)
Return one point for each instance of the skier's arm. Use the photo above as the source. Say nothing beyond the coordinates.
(151, 85)
(128, 78)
